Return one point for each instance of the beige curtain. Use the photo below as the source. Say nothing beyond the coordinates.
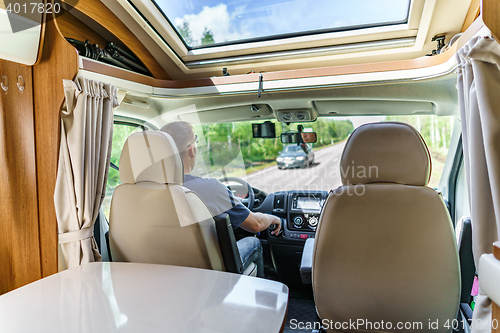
(479, 95)
(85, 148)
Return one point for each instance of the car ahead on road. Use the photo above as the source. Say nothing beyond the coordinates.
(295, 156)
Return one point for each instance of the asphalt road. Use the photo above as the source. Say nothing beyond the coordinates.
(324, 174)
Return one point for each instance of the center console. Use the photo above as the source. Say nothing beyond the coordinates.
(299, 212)
(304, 209)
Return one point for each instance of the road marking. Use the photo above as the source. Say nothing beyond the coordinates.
(309, 182)
(318, 155)
(253, 174)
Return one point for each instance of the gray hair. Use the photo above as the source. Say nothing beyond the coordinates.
(182, 133)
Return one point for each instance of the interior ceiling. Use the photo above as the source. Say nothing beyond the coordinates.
(431, 96)
(447, 18)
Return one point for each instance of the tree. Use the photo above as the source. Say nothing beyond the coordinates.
(185, 33)
(226, 140)
(207, 38)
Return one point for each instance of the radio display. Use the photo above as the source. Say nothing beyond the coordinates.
(310, 203)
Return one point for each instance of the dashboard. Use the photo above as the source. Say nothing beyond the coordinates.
(299, 211)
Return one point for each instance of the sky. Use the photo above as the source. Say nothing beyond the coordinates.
(361, 120)
(230, 20)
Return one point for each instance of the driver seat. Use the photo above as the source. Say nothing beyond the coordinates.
(154, 219)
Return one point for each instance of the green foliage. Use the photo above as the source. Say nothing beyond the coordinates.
(330, 130)
(224, 141)
(435, 130)
(208, 37)
(185, 33)
(120, 134)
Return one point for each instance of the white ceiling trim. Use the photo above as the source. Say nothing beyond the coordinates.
(179, 53)
(279, 85)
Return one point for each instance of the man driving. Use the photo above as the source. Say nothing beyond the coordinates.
(219, 199)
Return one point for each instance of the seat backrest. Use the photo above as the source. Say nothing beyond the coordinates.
(385, 247)
(153, 218)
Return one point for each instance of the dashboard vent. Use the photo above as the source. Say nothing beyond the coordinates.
(279, 201)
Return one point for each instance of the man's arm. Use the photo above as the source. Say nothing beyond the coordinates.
(256, 222)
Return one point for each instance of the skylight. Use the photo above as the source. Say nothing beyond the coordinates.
(202, 23)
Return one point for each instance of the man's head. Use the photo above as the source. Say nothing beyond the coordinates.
(185, 139)
(308, 137)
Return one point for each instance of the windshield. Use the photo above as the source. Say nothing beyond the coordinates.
(292, 149)
(228, 149)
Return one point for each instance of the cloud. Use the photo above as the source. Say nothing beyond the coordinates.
(217, 19)
(258, 18)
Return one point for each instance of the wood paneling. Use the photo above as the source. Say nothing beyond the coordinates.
(495, 315)
(472, 14)
(19, 234)
(42, 40)
(59, 61)
(490, 11)
(495, 312)
(101, 14)
(72, 27)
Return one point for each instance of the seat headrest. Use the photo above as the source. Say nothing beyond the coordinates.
(151, 156)
(386, 152)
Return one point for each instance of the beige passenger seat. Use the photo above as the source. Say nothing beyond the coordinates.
(385, 247)
(154, 219)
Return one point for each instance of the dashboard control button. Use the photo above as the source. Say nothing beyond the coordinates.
(313, 221)
(303, 236)
(298, 221)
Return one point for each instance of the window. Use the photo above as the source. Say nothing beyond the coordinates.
(121, 131)
(207, 22)
(436, 132)
(228, 149)
(462, 207)
(292, 149)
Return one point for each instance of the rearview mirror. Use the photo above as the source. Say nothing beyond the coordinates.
(266, 130)
(296, 137)
(292, 137)
(309, 137)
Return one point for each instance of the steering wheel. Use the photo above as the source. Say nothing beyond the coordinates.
(249, 201)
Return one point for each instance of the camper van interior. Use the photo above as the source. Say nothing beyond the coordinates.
(355, 143)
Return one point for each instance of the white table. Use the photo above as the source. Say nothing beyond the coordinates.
(126, 297)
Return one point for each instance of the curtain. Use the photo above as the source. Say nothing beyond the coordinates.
(479, 97)
(84, 153)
